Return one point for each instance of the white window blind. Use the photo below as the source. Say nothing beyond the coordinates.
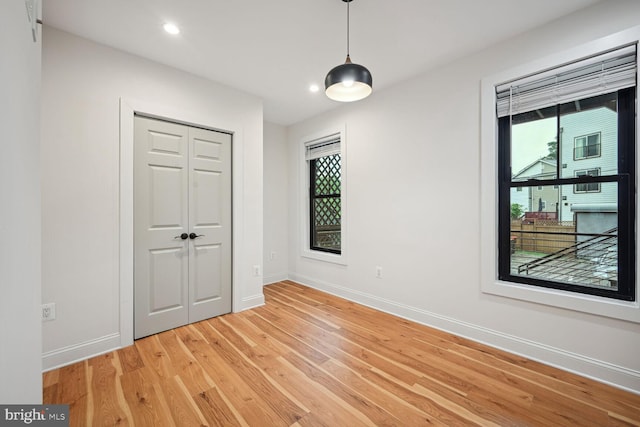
(604, 73)
(323, 147)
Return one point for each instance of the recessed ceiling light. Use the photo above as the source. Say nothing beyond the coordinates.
(314, 88)
(171, 28)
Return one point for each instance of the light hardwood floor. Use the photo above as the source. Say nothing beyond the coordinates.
(307, 358)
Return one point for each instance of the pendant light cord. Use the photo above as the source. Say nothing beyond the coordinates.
(348, 27)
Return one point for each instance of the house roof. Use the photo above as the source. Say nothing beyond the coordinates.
(541, 160)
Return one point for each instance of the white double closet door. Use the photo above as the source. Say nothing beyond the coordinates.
(182, 214)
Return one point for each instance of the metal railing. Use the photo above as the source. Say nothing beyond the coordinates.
(590, 262)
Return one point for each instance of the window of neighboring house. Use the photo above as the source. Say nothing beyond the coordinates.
(325, 192)
(586, 146)
(592, 187)
(550, 116)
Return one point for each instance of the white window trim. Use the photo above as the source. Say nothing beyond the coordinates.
(489, 282)
(303, 207)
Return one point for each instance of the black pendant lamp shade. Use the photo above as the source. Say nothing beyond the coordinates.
(348, 82)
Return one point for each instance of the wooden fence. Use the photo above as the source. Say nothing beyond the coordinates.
(540, 235)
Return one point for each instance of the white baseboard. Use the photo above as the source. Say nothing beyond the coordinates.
(252, 302)
(599, 370)
(267, 280)
(77, 352)
(74, 353)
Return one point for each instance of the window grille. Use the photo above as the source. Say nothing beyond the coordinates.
(325, 182)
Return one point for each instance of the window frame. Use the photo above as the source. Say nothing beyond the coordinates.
(312, 198)
(626, 287)
(304, 202)
(489, 279)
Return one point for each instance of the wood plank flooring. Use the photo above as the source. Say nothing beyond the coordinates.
(307, 358)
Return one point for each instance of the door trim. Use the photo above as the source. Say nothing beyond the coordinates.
(129, 107)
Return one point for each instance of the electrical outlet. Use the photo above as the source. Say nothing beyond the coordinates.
(256, 270)
(48, 311)
(379, 272)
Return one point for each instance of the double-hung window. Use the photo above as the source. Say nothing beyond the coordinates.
(566, 138)
(592, 187)
(325, 188)
(587, 146)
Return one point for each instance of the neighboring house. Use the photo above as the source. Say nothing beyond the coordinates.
(536, 199)
(589, 147)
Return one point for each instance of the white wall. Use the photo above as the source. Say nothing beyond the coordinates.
(20, 326)
(82, 85)
(276, 218)
(413, 174)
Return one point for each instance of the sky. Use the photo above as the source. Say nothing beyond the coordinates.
(529, 142)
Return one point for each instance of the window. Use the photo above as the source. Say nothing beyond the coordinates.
(585, 245)
(325, 189)
(587, 146)
(593, 187)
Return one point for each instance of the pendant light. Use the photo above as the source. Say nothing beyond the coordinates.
(348, 82)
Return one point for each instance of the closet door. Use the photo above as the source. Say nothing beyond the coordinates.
(161, 226)
(182, 209)
(210, 221)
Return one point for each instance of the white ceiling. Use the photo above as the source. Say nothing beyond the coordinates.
(276, 48)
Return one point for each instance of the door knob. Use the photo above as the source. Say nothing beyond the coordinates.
(195, 236)
(183, 236)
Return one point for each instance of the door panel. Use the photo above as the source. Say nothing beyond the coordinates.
(161, 263)
(166, 280)
(207, 191)
(166, 143)
(182, 184)
(207, 148)
(210, 217)
(165, 211)
(207, 283)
